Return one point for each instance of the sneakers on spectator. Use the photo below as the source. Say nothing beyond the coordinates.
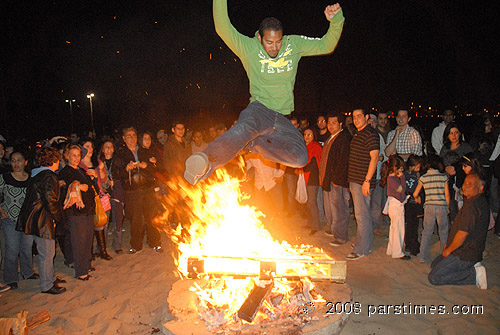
(197, 166)
(158, 249)
(354, 256)
(328, 233)
(481, 280)
(132, 251)
(4, 288)
(336, 243)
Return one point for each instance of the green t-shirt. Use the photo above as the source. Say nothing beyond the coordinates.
(272, 79)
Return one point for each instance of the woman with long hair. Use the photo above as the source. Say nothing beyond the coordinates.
(114, 188)
(453, 149)
(311, 175)
(18, 246)
(96, 170)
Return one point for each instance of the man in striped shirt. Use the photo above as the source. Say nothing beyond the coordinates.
(363, 158)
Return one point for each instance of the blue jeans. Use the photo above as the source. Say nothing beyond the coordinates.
(267, 132)
(377, 203)
(433, 213)
(452, 270)
(362, 211)
(321, 207)
(46, 251)
(117, 215)
(337, 214)
(17, 246)
(312, 207)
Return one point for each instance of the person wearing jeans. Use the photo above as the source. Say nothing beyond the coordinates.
(333, 179)
(40, 213)
(433, 214)
(18, 246)
(271, 62)
(437, 199)
(363, 158)
(460, 261)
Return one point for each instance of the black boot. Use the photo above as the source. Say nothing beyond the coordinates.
(101, 243)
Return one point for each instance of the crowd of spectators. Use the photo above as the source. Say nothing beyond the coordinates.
(358, 164)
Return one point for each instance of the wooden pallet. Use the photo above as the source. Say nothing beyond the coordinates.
(315, 266)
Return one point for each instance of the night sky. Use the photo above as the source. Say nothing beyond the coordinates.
(149, 62)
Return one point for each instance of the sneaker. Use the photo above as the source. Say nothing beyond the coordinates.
(118, 251)
(328, 233)
(158, 249)
(4, 288)
(354, 256)
(196, 167)
(132, 251)
(481, 280)
(336, 243)
(404, 258)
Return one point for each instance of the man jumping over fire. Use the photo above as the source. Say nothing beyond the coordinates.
(270, 60)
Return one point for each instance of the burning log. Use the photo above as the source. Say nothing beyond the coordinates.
(253, 302)
(314, 268)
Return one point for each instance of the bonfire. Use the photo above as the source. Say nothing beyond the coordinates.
(249, 276)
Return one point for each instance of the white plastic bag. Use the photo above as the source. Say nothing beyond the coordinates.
(301, 193)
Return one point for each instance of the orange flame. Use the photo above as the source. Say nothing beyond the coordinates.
(220, 226)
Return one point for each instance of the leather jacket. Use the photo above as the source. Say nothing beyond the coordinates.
(42, 209)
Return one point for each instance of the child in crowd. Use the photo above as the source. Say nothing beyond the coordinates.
(392, 175)
(437, 200)
(412, 209)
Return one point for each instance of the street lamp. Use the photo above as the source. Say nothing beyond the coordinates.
(90, 96)
(70, 101)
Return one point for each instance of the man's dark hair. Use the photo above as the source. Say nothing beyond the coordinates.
(340, 117)
(220, 126)
(362, 110)
(176, 122)
(270, 23)
(408, 111)
(47, 156)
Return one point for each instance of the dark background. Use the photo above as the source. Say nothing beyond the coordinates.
(149, 62)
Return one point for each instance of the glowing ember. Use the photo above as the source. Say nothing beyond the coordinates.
(230, 238)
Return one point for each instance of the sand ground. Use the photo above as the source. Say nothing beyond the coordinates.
(130, 292)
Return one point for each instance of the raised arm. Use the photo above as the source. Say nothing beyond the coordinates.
(327, 43)
(233, 39)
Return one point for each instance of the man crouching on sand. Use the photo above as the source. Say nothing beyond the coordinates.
(459, 264)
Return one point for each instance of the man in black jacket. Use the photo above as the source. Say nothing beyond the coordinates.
(333, 179)
(132, 167)
(40, 213)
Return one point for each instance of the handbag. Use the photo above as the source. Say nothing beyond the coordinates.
(105, 201)
(301, 192)
(100, 217)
